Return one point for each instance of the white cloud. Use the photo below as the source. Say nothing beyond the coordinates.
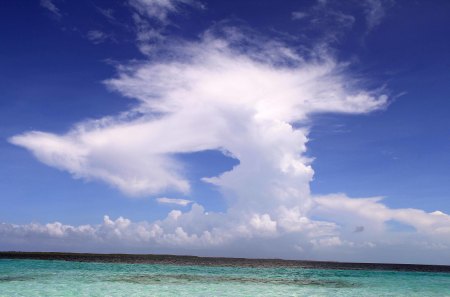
(210, 96)
(325, 21)
(231, 234)
(151, 17)
(253, 103)
(329, 21)
(146, 35)
(50, 6)
(298, 15)
(86, 155)
(182, 202)
(375, 11)
(159, 9)
(107, 13)
(263, 224)
(97, 36)
(373, 213)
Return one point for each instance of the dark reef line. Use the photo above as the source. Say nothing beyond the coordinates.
(217, 261)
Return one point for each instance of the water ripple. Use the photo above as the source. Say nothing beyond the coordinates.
(183, 278)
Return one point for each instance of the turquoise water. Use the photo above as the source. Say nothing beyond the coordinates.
(60, 278)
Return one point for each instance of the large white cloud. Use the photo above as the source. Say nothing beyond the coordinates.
(211, 97)
(252, 102)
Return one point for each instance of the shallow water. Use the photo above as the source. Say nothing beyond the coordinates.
(65, 278)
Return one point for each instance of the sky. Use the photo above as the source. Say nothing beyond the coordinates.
(296, 129)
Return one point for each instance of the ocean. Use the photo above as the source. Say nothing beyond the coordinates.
(121, 275)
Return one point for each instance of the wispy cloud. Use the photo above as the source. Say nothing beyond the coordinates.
(298, 15)
(107, 13)
(326, 21)
(97, 36)
(151, 17)
(182, 202)
(160, 9)
(329, 21)
(50, 6)
(375, 11)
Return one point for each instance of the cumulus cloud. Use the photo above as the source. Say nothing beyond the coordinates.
(253, 103)
(175, 231)
(367, 222)
(375, 215)
(218, 234)
(210, 96)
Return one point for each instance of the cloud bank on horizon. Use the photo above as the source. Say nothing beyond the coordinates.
(252, 99)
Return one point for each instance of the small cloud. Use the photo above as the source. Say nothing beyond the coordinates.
(375, 11)
(97, 36)
(107, 13)
(160, 10)
(50, 6)
(298, 15)
(326, 21)
(438, 213)
(358, 229)
(165, 200)
(151, 17)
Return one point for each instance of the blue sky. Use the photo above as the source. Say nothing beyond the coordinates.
(133, 64)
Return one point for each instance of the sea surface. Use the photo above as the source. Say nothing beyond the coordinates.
(31, 277)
